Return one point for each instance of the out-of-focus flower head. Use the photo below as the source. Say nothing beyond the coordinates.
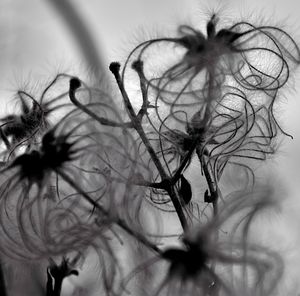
(219, 257)
(32, 221)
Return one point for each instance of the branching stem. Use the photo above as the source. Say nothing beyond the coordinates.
(115, 69)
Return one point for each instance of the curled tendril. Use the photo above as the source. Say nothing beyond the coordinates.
(202, 65)
(237, 131)
(27, 196)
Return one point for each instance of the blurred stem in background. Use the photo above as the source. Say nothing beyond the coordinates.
(88, 47)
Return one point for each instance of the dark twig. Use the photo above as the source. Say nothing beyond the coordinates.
(115, 69)
(2, 281)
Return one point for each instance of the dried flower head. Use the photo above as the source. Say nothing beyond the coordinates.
(31, 218)
(225, 52)
(200, 67)
(27, 127)
(54, 152)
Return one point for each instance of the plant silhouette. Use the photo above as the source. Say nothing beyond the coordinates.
(98, 178)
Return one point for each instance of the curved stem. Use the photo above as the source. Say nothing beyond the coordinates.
(101, 120)
(87, 45)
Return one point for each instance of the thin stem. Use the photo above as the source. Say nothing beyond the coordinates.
(184, 162)
(138, 66)
(136, 124)
(101, 120)
(199, 150)
(213, 192)
(2, 281)
(115, 69)
(56, 290)
(122, 224)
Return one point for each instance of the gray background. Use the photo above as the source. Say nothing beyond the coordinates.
(35, 44)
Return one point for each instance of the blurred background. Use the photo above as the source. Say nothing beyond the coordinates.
(36, 43)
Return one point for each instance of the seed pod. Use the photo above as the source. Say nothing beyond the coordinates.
(209, 198)
(185, 190)
(211, 27)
